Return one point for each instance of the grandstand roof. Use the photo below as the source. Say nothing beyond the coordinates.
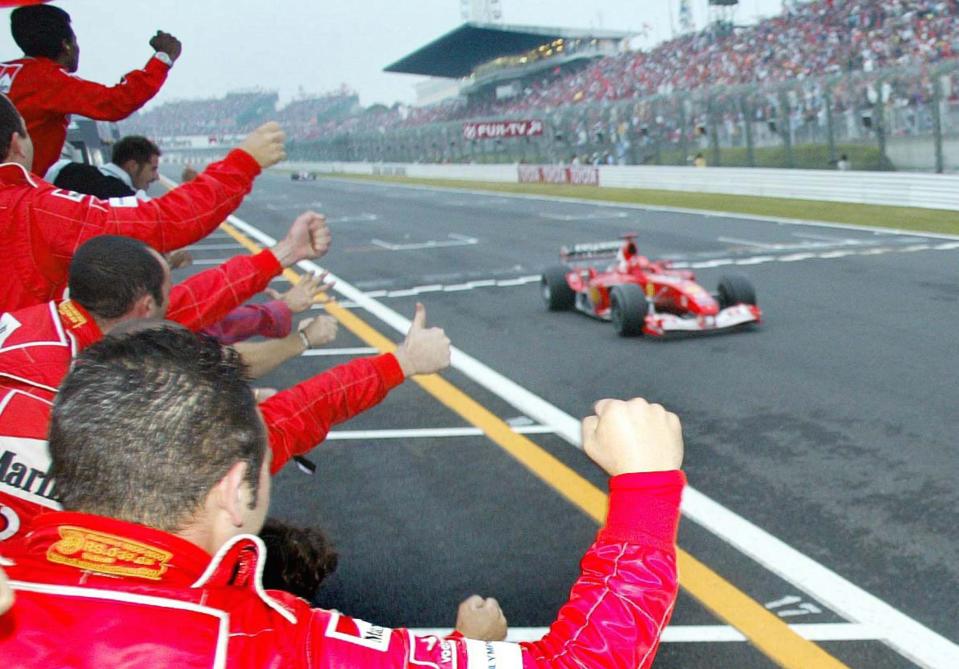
(459, 51)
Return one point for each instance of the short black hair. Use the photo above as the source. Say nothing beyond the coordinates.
(146, 424)
(39, 30)
(10, 122)
(134, 147)
(109, 273)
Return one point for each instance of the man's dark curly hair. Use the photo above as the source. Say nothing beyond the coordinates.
(297, 558)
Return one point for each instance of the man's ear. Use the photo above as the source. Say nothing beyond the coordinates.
(143, 306)
(130, 166)
(233, 493)
(16, 153)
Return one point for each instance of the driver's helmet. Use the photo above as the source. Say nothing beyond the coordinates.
(628, 256)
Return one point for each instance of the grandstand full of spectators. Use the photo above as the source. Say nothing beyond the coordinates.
(241, 112)
(809, 40)
(234, 113)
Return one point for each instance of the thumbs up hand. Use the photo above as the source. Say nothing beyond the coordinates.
(425, 350)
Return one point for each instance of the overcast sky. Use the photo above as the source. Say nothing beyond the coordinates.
(289, 45)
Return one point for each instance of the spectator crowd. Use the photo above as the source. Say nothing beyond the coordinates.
(809, 40)
(303, 118)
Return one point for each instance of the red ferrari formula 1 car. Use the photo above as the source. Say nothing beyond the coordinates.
(641, 296)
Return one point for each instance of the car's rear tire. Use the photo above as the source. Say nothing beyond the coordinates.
(556, 292)
(735, 289)
(627, 309)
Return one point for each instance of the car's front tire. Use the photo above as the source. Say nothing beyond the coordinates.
(627, 309)
(735, 289)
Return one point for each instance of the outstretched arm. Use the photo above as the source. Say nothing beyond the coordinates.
(73, 95)
(176, 219)
(299, 418)
(262, 357)
(627, 586)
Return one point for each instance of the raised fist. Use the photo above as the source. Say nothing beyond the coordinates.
(166, 43)
(625, 437)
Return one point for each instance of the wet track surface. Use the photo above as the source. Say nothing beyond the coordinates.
(831, 426)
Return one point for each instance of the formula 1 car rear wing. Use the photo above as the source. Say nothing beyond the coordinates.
(590, 250)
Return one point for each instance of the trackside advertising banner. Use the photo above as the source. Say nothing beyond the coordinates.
(558, 174)
(502, 129)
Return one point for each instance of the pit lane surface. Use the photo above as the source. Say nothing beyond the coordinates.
(829, 426)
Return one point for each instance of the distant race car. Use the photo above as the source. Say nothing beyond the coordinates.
(641, 296)
(303, 175)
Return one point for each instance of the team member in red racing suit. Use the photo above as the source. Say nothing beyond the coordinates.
(130, 564)
(45, 90)
(42, 226)
(113, 280)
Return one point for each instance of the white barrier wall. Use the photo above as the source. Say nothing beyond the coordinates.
(933, 191)
(905, 189)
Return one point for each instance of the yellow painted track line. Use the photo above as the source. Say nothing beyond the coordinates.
(764, 630)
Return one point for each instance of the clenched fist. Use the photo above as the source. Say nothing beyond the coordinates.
(625, 437)
(166, 43)
(265, 144)
(319, 330)
(481, 618)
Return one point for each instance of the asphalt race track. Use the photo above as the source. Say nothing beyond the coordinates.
(831, 427)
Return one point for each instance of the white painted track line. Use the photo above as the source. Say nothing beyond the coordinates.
(703, 633)
(365, 350)
(905, 635)
(429, 432)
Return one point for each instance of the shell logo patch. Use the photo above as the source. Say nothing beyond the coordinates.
(69, 311)
(108, 554)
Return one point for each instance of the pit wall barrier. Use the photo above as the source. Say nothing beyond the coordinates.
(903, 189)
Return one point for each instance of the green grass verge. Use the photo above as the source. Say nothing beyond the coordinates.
(904, 218)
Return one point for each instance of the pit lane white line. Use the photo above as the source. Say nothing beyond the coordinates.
(703, 633)
(802, 246)
(454, 240)
(359, 218)
(339, 351)
(746, 242)
(430, 432)
(906, 636)
(453, 287)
